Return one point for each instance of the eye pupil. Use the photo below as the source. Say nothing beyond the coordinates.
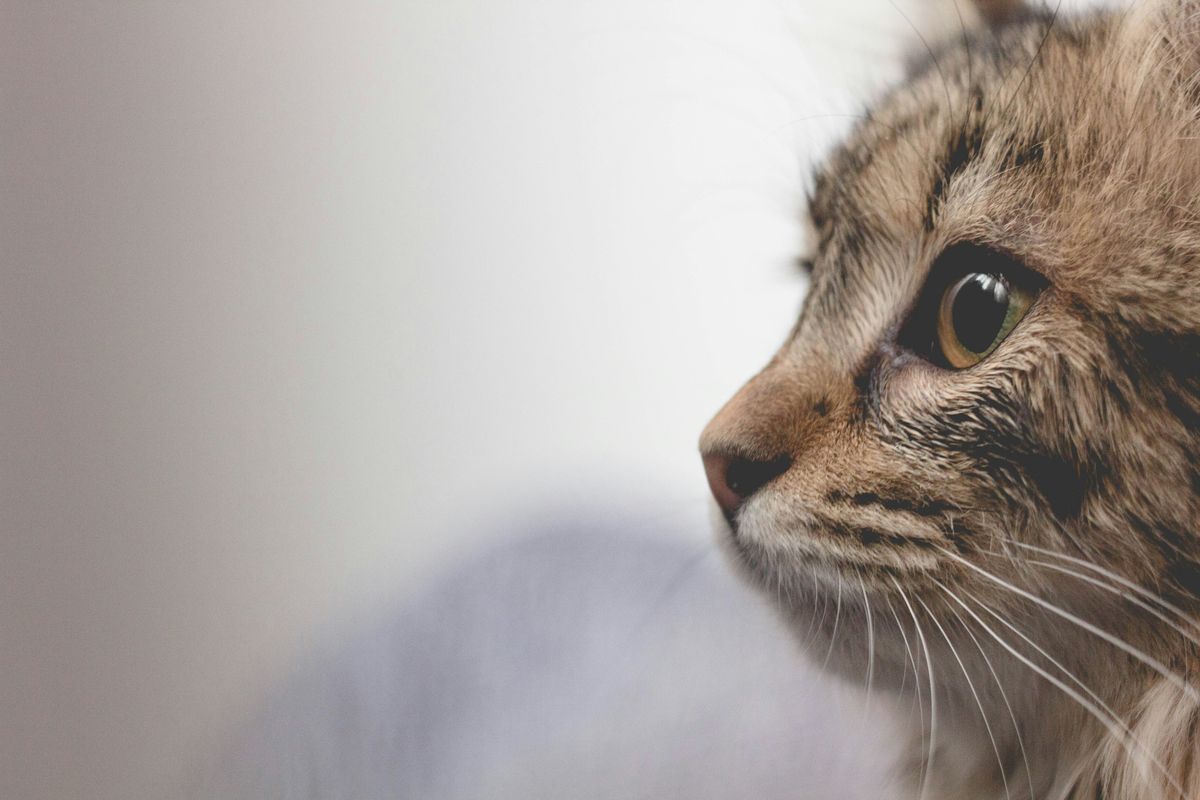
(979, 304)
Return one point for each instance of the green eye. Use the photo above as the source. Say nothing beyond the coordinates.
(974, 315)
(973, 298)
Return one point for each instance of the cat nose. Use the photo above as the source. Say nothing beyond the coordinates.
(734, 478)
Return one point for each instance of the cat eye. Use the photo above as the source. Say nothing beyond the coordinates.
(975, 314)
(974, 298)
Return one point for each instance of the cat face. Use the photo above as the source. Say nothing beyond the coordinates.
(997, 355)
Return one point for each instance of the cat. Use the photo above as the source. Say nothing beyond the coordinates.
(969, 478)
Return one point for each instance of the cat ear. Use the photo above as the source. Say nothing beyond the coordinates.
(997, 13)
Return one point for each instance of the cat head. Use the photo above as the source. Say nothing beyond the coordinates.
(997, 359)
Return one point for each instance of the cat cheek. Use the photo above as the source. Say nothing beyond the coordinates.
(909, 386)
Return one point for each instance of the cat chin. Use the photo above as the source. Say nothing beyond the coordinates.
(848, 632)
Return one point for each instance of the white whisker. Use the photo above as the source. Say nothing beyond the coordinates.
(870, 641)
(932, 691)
(1127, 589)
(1142, 604)
(1095, 706)
(1122, 580)
(1156, 665)
(978, 702)
(814, 630)
(916, 672)
(1004, 697)
(837, 616)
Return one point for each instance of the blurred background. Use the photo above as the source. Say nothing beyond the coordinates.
(305, 306)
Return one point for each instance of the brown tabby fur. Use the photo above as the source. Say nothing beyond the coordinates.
(899, 541)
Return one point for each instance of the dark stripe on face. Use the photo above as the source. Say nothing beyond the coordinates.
(922, 509)
(869, 537)
(964, 145)
(1025, 151)
(1177, 352)
(1172, 359)
(1185, 574)
(1059, 483)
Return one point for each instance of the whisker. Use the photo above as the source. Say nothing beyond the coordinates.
(916, 675)
(837, 616)
(1003, 696)
(1156, 665)
(1129, 586)
(1127, 732)
(1113, 576)
(987, 726)
(1033, 61)
(870, 641)
(820, 623)
(937, 64)
(1117, 591)
(932, 691)
(780, 589)
(1042, 652)
(1110, 721)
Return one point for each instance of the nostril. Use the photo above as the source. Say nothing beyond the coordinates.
(734, 478)
(745, 476)
(716, 465)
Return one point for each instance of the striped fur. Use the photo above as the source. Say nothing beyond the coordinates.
(1016, 542)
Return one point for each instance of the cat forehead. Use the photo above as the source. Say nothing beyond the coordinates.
(972, 145)
(1071, 145)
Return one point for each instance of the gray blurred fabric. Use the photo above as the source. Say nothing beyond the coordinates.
(578, 662)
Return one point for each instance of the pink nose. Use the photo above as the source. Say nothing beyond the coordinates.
(733, 479)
